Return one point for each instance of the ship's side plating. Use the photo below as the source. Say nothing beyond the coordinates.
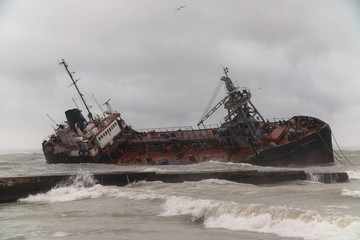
(312, 149)
(286, 144)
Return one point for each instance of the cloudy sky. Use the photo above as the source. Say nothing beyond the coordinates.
(161, 66)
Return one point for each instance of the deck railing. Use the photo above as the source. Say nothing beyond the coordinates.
(179, 133)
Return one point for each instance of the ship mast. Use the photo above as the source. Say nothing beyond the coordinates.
(80, 94)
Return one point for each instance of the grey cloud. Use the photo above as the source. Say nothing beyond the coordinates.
(160, 66)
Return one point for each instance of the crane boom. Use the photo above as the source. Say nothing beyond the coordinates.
(213, 110)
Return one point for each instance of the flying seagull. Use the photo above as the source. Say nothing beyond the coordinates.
(179, 8)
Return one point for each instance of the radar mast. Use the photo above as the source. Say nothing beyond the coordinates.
(80, 94)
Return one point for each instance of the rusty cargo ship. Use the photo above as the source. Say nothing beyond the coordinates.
(243, 136)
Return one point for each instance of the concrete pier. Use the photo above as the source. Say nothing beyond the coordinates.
(13, 188)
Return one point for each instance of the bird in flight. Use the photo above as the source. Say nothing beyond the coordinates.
(179, 8)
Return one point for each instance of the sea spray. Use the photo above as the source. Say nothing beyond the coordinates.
(80, 186)
(354, 174)
(327, 177)
(81, 179)
(84, 186)
(313, 177)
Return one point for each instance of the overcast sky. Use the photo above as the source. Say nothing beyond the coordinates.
(160, 66)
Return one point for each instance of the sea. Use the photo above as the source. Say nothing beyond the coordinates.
(209, 209)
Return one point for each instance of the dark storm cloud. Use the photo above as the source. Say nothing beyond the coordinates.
(160, 66)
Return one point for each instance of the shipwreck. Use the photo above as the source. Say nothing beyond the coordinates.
(243, 136)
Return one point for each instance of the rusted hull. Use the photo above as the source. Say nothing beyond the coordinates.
(313, 149)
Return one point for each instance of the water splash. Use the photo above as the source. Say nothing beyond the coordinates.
(313, 177)
(326, 177)
(81, 179)
(81, 186)
(354, 174)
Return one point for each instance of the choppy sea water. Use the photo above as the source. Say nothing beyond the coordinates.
(209, 209)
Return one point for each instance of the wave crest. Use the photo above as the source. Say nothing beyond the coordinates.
(354, 174)
(355, 193)
(279, 220)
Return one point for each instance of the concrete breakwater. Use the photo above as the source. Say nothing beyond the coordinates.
(13, 188)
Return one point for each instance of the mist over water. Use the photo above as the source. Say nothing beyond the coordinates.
(80, 208)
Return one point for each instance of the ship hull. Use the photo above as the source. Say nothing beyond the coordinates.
(312, 149)
(62, 158)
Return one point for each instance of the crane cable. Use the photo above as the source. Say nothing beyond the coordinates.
(343, 155)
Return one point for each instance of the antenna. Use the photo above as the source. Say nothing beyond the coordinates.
(74, 83)
(97, 103)
(226, 70)
(108, 106)
(75, 103)
(52, 121)
(107, 102)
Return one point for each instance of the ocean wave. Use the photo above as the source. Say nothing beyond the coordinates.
(354, 193)
(217, 181)
(84, 186)
(354, 174)
(279, 220)
(22, 155)
(60, 234)
(75, 193)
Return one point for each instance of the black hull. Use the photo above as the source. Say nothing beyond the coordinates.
(60, 158)
(314, 149)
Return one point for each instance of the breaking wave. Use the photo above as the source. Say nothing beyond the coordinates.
(84, 186)
(353, 174)
(60, 234)
(354, 193)
(279, 220)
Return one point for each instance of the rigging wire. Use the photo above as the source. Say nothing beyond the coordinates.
(76, 98)
(89, 96)
(341, 150)
(330, 151)
(215, 94)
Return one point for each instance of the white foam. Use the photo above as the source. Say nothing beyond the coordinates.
(313, 177)
(153, 169)
(83, 186)
(355, 193)
(74, 193)
(217, 181)
(232, 163)
(282, 221)
(354, 174)
(60, 234)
